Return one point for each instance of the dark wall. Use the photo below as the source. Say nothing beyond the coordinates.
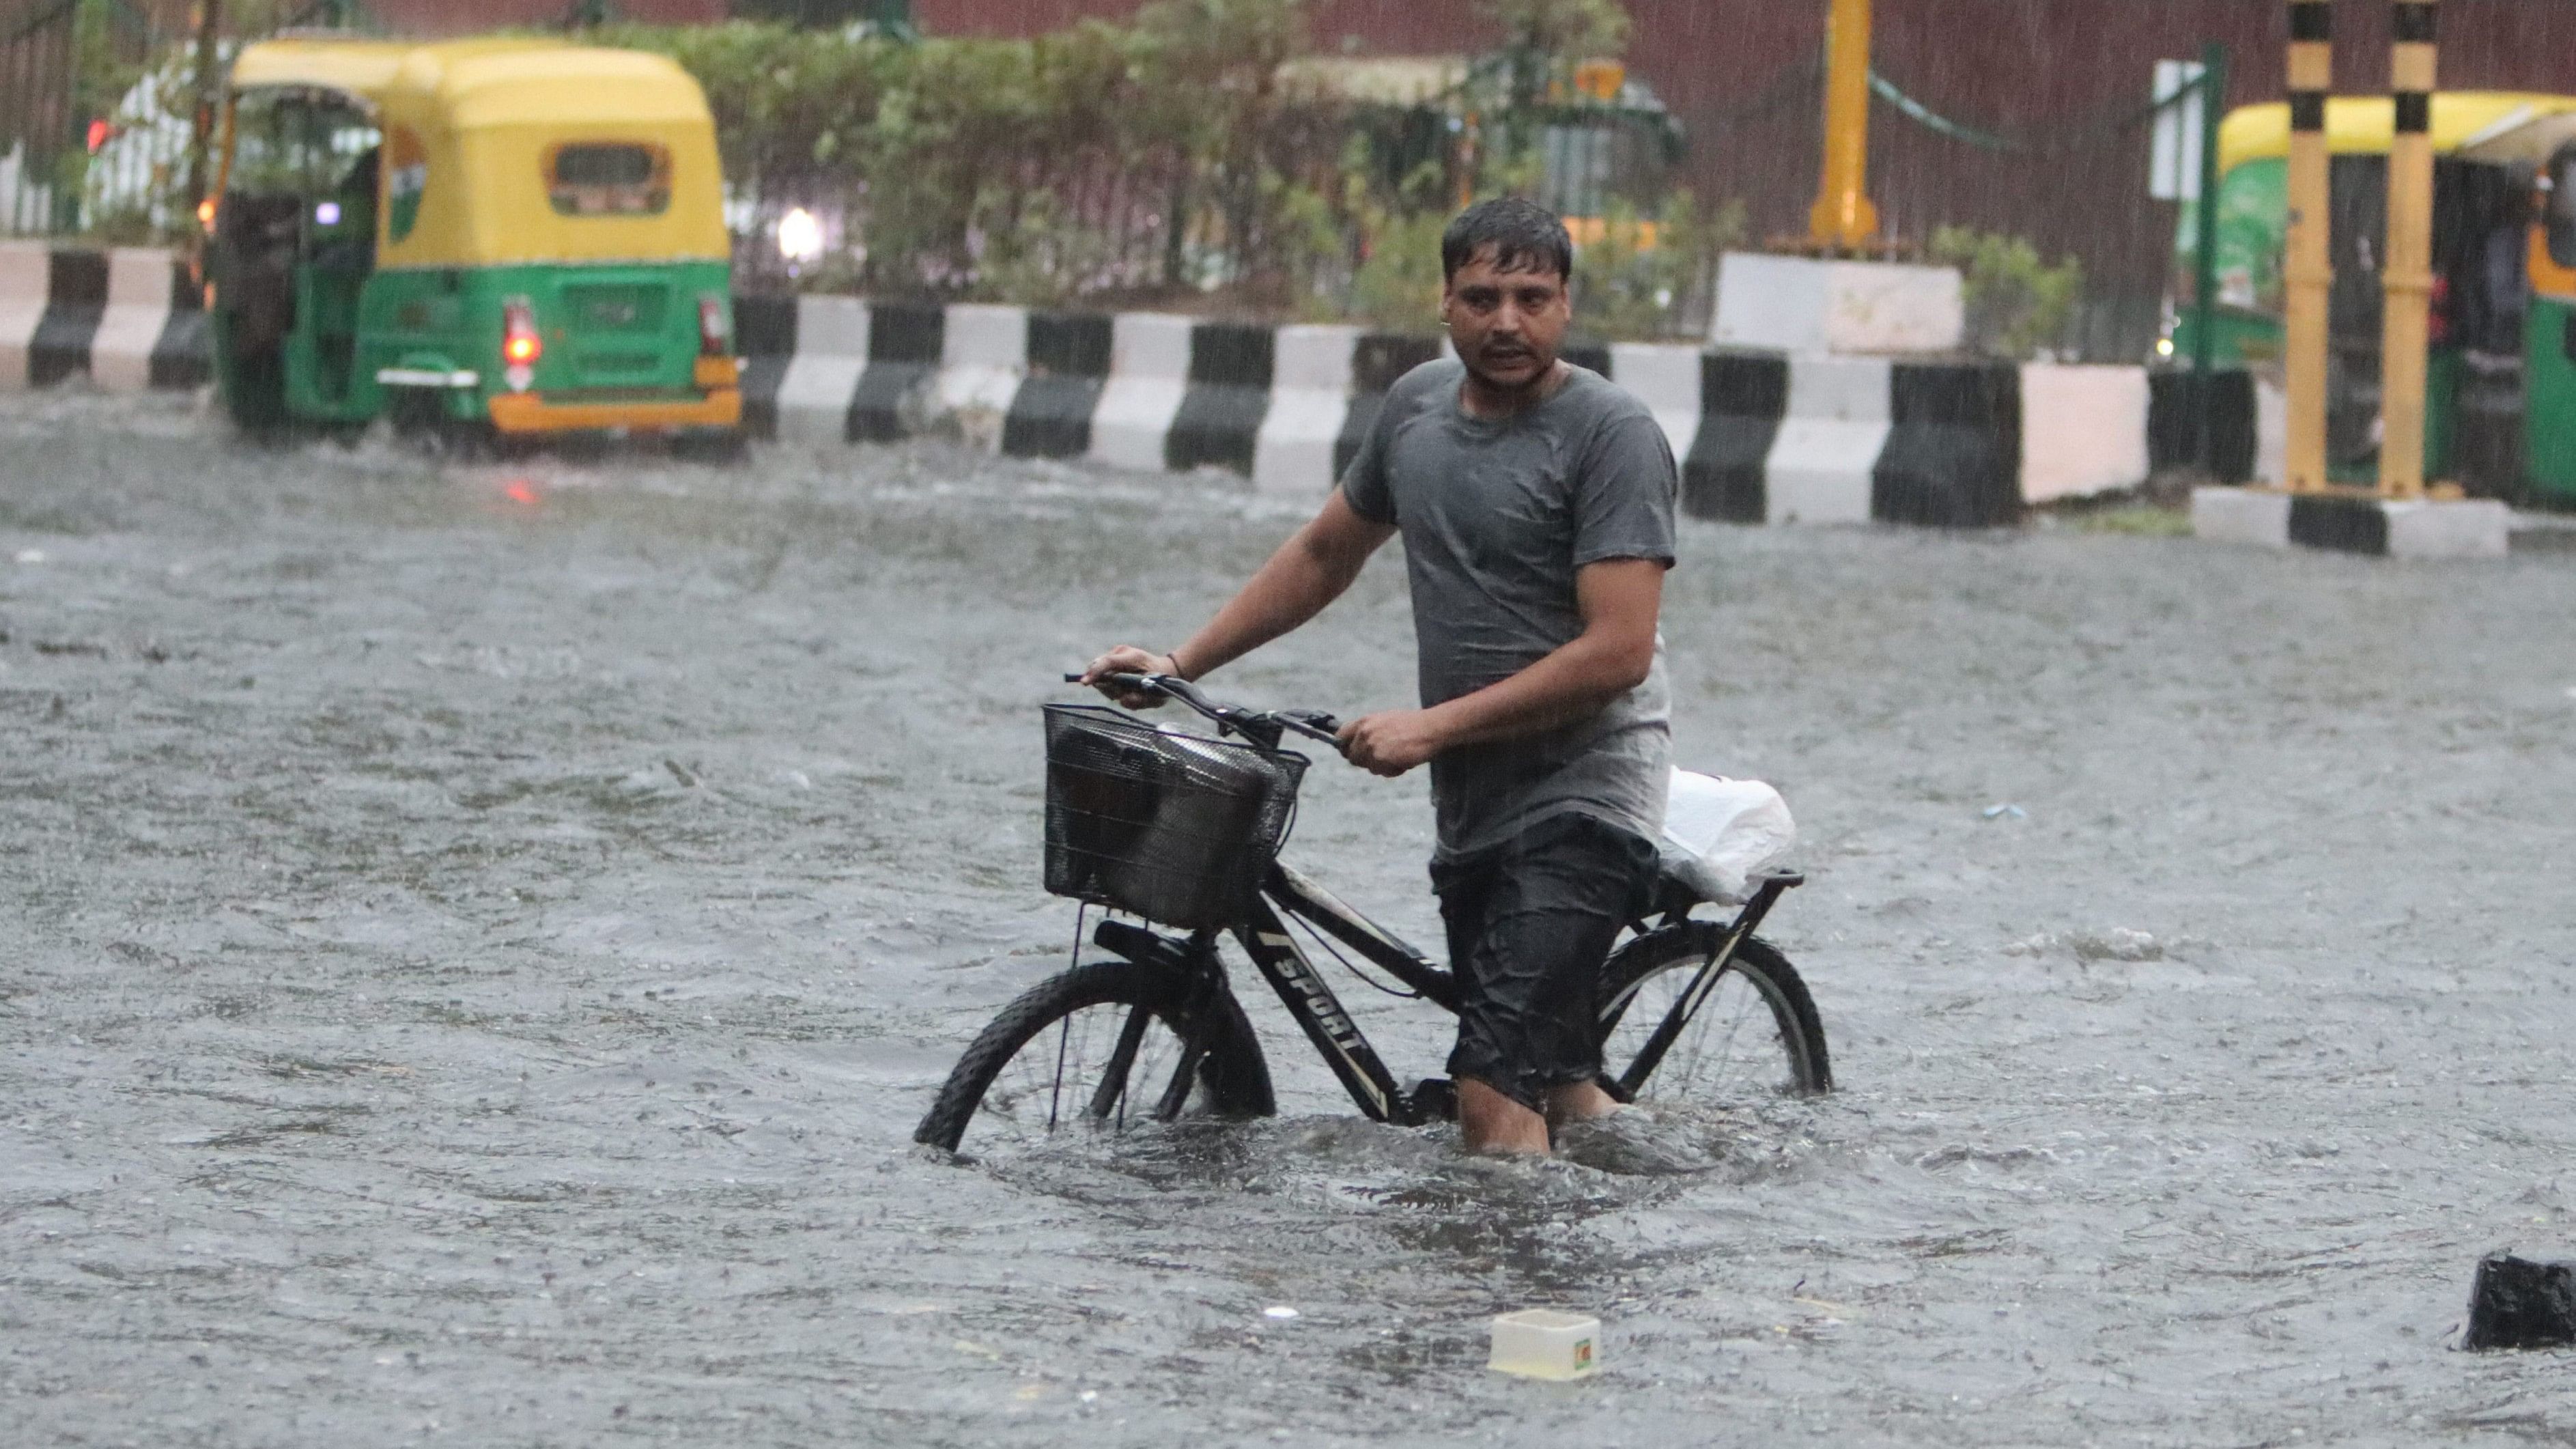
(1744, 76)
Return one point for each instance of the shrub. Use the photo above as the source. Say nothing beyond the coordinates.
(2016, 303)
(1628, 290)
(1174, 153)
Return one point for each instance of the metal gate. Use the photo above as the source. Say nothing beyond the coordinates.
(38, 55)
(85, 139)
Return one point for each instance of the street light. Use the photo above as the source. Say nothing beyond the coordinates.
(800, 236)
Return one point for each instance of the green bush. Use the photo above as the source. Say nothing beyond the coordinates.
(1171, 154)
(2016, 303)
(1626, 289)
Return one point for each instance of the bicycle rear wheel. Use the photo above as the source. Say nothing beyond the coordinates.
(1092, 1051)
(1756, 1033)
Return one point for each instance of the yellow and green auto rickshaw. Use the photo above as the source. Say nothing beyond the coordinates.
(2544, 147)
(519, 237)
(2489, 400)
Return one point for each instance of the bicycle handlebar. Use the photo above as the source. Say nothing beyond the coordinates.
(1262, 725)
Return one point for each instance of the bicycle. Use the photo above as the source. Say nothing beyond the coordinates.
(1183, 831)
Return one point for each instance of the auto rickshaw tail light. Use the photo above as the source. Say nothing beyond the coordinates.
(520, 344)
(711, 327)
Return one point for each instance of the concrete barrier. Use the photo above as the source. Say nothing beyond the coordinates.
(2241, 515)
(1953, 453)
(1812, 306)
(1823, 464)
(1310, 399)
(131, 325)
(814, 391)
(1378, 359)
(984, 352)
(1219, 420)
(1666, 379)
(129, 318)
(1149, 372)
(1743, 398)
(75, 304)
(25, 282)
(2174, 423)
(2427, 528)
(2076, 435)
(1051, 413)
(184, 355)
(764, 343)
(1761, 437)
(906, 342)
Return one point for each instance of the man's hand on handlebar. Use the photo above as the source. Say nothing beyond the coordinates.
(1128, 659)
(1390, 742)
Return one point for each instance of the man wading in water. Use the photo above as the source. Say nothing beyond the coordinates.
(1536, 503)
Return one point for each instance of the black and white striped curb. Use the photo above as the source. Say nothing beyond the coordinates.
(1762, 437)
(2421, 528)
(1283, 405)
(127, 318)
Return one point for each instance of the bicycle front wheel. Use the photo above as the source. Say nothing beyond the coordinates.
(1092, 1051)
(1755, 1034)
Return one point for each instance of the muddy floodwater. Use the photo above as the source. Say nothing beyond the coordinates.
(475, 940)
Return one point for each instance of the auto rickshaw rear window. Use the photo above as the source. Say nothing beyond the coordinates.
(612, 178)
(297, 142)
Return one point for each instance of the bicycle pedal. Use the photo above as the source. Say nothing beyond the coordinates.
(1435, 1099)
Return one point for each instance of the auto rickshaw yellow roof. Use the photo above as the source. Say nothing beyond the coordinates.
(2363, 125)
(362, 68)
(548, 84)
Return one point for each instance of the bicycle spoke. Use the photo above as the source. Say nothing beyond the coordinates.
(1112, 1091)
(1055, 1089)
(1732, 1050)
(1176, 1094)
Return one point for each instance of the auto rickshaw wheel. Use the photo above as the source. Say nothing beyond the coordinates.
(726, 447)
(420, 421)
(255, 392)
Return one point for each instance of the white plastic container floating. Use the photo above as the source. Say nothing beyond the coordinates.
(1541, 1343)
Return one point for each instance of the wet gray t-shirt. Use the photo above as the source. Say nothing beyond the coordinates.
(1496, 517)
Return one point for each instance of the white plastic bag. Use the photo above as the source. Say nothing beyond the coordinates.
(1719, 832)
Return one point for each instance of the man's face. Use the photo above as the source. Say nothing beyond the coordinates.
(1506, 325)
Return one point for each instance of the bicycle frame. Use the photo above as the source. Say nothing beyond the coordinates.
(1276, 953)
(1312, 1004)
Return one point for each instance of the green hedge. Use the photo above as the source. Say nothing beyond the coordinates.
(1163, 161)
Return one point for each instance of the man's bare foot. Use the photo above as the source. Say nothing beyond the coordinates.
(1495, 1125)
(1580, 1102)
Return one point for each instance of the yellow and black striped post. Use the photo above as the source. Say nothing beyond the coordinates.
(2406, 281)
(2307, 272)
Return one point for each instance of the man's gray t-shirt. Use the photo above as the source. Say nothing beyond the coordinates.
(1497, 514)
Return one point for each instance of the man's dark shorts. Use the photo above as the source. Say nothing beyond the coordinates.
(1529, 923)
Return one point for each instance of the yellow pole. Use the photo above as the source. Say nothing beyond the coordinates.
(2407, 281)
(1843, 219)
(2307, 273)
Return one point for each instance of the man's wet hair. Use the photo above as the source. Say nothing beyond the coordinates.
(1525, 236)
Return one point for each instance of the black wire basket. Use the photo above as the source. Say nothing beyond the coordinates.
(1176, 828)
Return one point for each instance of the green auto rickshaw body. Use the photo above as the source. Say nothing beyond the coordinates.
(514, 233)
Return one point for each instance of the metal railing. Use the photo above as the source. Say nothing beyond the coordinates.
(97, 114)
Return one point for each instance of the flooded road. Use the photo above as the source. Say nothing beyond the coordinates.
(480, 936)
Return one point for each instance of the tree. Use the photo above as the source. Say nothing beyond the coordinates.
(1562, 29)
